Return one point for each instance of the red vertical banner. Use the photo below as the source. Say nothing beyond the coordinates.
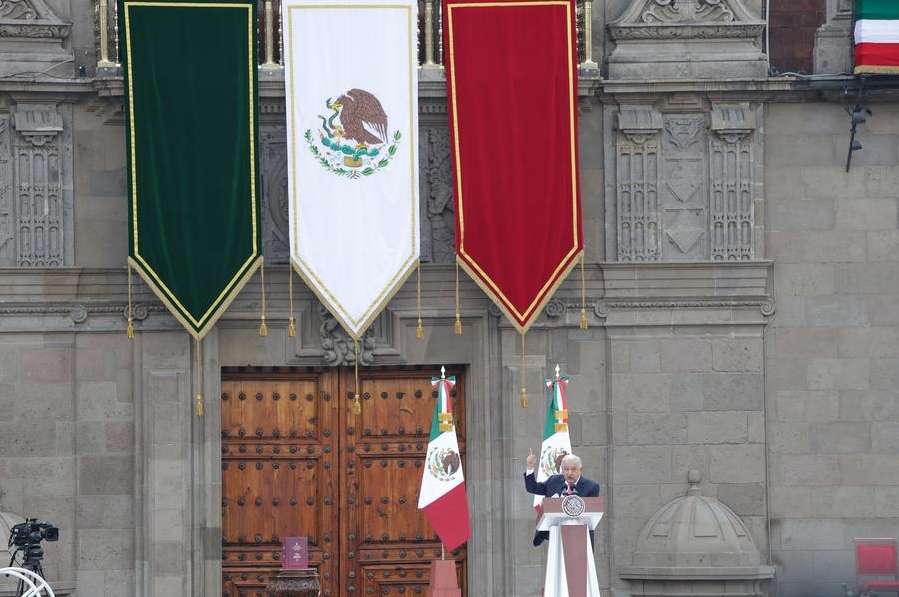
(512, 89)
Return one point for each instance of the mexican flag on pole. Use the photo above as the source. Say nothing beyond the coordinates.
(876, 37)
(442, 496)
(556, 441)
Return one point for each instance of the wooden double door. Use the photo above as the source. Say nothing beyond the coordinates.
(298, 461)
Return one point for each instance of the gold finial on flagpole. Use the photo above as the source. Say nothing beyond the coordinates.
(444, 419)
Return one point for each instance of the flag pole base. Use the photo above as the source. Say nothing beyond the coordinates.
(443, 579)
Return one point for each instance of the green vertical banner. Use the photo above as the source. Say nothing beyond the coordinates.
(193, 170)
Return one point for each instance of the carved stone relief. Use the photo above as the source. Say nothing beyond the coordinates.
(637, 174)
(731, 176)
(683, 197)
(33, 40)
(685, 186)
(438, 217)
(274, 209)
(642, 40)
(338, 349)
(7, 211)
(37, 182)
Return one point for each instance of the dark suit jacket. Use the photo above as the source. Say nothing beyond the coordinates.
(553, 487)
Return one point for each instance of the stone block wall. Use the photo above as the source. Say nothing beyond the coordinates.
(832, 351)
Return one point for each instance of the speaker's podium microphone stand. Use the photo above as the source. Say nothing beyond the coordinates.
(570, 569)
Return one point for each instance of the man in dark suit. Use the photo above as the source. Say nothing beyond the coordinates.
(568, 481)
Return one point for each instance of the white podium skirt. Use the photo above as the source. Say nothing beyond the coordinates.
(570, 569)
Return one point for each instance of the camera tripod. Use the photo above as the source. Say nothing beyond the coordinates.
(32, 554)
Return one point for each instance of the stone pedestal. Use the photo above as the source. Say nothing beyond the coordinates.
(294, 583)
(443, 579)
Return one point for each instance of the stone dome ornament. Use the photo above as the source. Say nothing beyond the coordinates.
(699, 541)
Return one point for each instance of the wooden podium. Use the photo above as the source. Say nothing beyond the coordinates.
(570, 569)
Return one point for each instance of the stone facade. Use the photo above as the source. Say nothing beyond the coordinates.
(741, 286)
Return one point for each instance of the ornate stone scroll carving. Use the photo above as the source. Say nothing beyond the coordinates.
(338, 348)
(643, 36)
(39, 202)
(731, 176)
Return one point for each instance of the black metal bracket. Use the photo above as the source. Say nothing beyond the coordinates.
(859, 115)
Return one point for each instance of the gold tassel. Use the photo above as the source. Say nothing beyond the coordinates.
(583, 295)
(420, 330)
(357, 407)
(129, 332)
(291, 327)
(524, 392)
(199, 404)
(263, 329)
(458, 326)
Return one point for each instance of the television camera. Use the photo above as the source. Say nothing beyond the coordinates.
(25, 538)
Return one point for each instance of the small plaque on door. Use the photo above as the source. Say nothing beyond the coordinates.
(295, 553)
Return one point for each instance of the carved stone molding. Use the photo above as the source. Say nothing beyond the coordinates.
(644, 32)
(733, 122)
(110, 109)
(38, 121)
(34, 40)
(639, 123)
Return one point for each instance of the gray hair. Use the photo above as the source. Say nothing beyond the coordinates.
(573, 458)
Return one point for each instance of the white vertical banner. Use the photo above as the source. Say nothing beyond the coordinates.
(351, 79)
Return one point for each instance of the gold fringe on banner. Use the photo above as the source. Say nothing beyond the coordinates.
(583, 295)
(357, 407)
(458, 326)
(129, 332)
(291, 327)
(199, 405)
(420, 330)
(263, 329)
(524, 392)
